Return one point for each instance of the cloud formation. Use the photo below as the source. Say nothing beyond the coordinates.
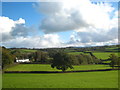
(16, 34)
(45, 41)
(8, 27)
(73, 16)
(92, 24)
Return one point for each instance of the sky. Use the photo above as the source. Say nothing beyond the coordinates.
(58, 24)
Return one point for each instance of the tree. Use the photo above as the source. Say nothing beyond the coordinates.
(7, 57)
(74, 59)
(114, 60)
(44, 57)
(62, 61)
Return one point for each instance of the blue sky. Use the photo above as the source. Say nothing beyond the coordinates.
(49, 21)
(25, 10)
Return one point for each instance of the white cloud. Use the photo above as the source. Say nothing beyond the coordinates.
(75, 15)
(9, 26)
(92, 24)
(6, 24)
(45, 41)
(87, 37)
(96, 37)
(16, 34)
(79, 44)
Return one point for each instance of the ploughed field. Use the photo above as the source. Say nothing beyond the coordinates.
(47, 67)
(102, 79)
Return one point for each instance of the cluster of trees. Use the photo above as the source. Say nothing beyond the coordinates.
(77, 49)
(58, 58)
(47, 57)
(115, 60)
(85, 59)
(7, 57)
(38, 56)
(41, 57)
(62, 61)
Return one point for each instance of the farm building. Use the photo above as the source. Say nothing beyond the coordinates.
(23, 60)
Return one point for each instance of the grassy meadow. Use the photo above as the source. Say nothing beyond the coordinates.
(100, 79)
(75, 53)
(104, 55)
(107, 79)
(24, 51)
(100, 55)
(47, 67)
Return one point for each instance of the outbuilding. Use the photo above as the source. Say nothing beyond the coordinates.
(23, 60)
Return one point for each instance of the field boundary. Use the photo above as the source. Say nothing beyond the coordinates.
(60, 71)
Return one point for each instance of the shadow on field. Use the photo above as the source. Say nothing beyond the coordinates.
(59, 71)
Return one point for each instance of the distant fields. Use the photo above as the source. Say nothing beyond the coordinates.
(25, 50)
(100, 55)
(107, 79)
(75, 53)
(104, 55)
(46, 67)
(113, 49)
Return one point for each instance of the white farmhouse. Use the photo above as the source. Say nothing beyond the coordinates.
(22, 60)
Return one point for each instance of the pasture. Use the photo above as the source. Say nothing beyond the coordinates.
(47, 67)
(105, 79)
(75, 53)
(99, 55)
(100, 79)
(104, 55)
(113, 49)
(27, 50)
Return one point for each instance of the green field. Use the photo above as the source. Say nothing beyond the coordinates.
(27, 50)
(103, 55)
(106, 61)
(96, 79)
(75, 53)
(100, 55)
(105, 79)
(113, 49)
(46, 67)
(101, 79)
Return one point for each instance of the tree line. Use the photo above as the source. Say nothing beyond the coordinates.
(57, 58)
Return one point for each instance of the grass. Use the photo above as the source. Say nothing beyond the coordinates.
(75, 53)
(114, 49)
(46, 67)
(105, 79)
(24, 51)
(100, 55)
(0, 80)
(103, 55)
(27, 50)
(106, 61)
(69, 50)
